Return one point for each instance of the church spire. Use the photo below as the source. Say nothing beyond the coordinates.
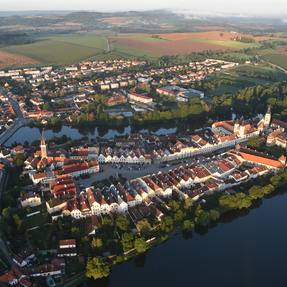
(43, 142)
(269, 110)
(267, 117)
(43, 146)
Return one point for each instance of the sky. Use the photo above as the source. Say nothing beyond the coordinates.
(243, 7)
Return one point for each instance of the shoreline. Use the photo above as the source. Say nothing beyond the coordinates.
(199, 229)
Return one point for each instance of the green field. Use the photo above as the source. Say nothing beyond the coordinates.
(125, 51)
(273, 56)
(241, 77)
(91, 41)
(69, 49)
(146, 38)
(62, 49)
(276, 59)
(227, 44)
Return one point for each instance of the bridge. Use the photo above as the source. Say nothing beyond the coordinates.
(19, 122)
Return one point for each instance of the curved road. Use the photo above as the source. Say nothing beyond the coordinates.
(18, 123)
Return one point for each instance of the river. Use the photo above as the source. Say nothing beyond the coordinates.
(246, 250)
(243, 251)
(28, 134)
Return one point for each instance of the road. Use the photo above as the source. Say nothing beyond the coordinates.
(3, 246)
(3, 183)
(276, 66)
(18, 123)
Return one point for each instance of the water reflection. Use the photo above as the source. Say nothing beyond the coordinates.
(140, 260)
(248, 251)
(29, 135)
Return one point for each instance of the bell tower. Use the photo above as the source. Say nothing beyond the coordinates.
(267, 118)
(43, 147)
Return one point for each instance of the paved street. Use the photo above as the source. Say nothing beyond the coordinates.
(18, 123)
(3, 182)
(3, 247)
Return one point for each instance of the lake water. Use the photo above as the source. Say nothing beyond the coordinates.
(249, 250)
(245, 251)
(32, 134)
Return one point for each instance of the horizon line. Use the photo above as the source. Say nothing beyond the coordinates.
(217, 14)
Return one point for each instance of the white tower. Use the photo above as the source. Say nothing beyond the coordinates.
(43, 147)
(267, 118)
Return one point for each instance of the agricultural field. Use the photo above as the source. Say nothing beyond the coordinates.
(277, 58)
(61, 50)
(178, 43)
(68, 49)
(11, 59)
(229, 82)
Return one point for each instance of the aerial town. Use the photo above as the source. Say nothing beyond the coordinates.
(135, 179)
(125, 87)
(74, 203)
(143, 143)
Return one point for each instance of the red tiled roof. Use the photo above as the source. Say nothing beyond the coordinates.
(67, 242)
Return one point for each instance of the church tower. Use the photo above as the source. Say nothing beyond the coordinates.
(267, 118)
(43, 147)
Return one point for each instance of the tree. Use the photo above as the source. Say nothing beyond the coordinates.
(203, 218)
(237, 201)
(97, 243)
(268, 189)
(122, 223)
(140, 245)
(107, 226)
(179, 216)
(276, 180)
(174, 205)
(75, 231)
(167, 224)
(6, 212)
(144, 227)
(17, 220)
(214, 215)
(256, 192)
(188, 203)
(188, 225)
(97, 267)
(19, 160)
(127, 241)
(253, 143)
